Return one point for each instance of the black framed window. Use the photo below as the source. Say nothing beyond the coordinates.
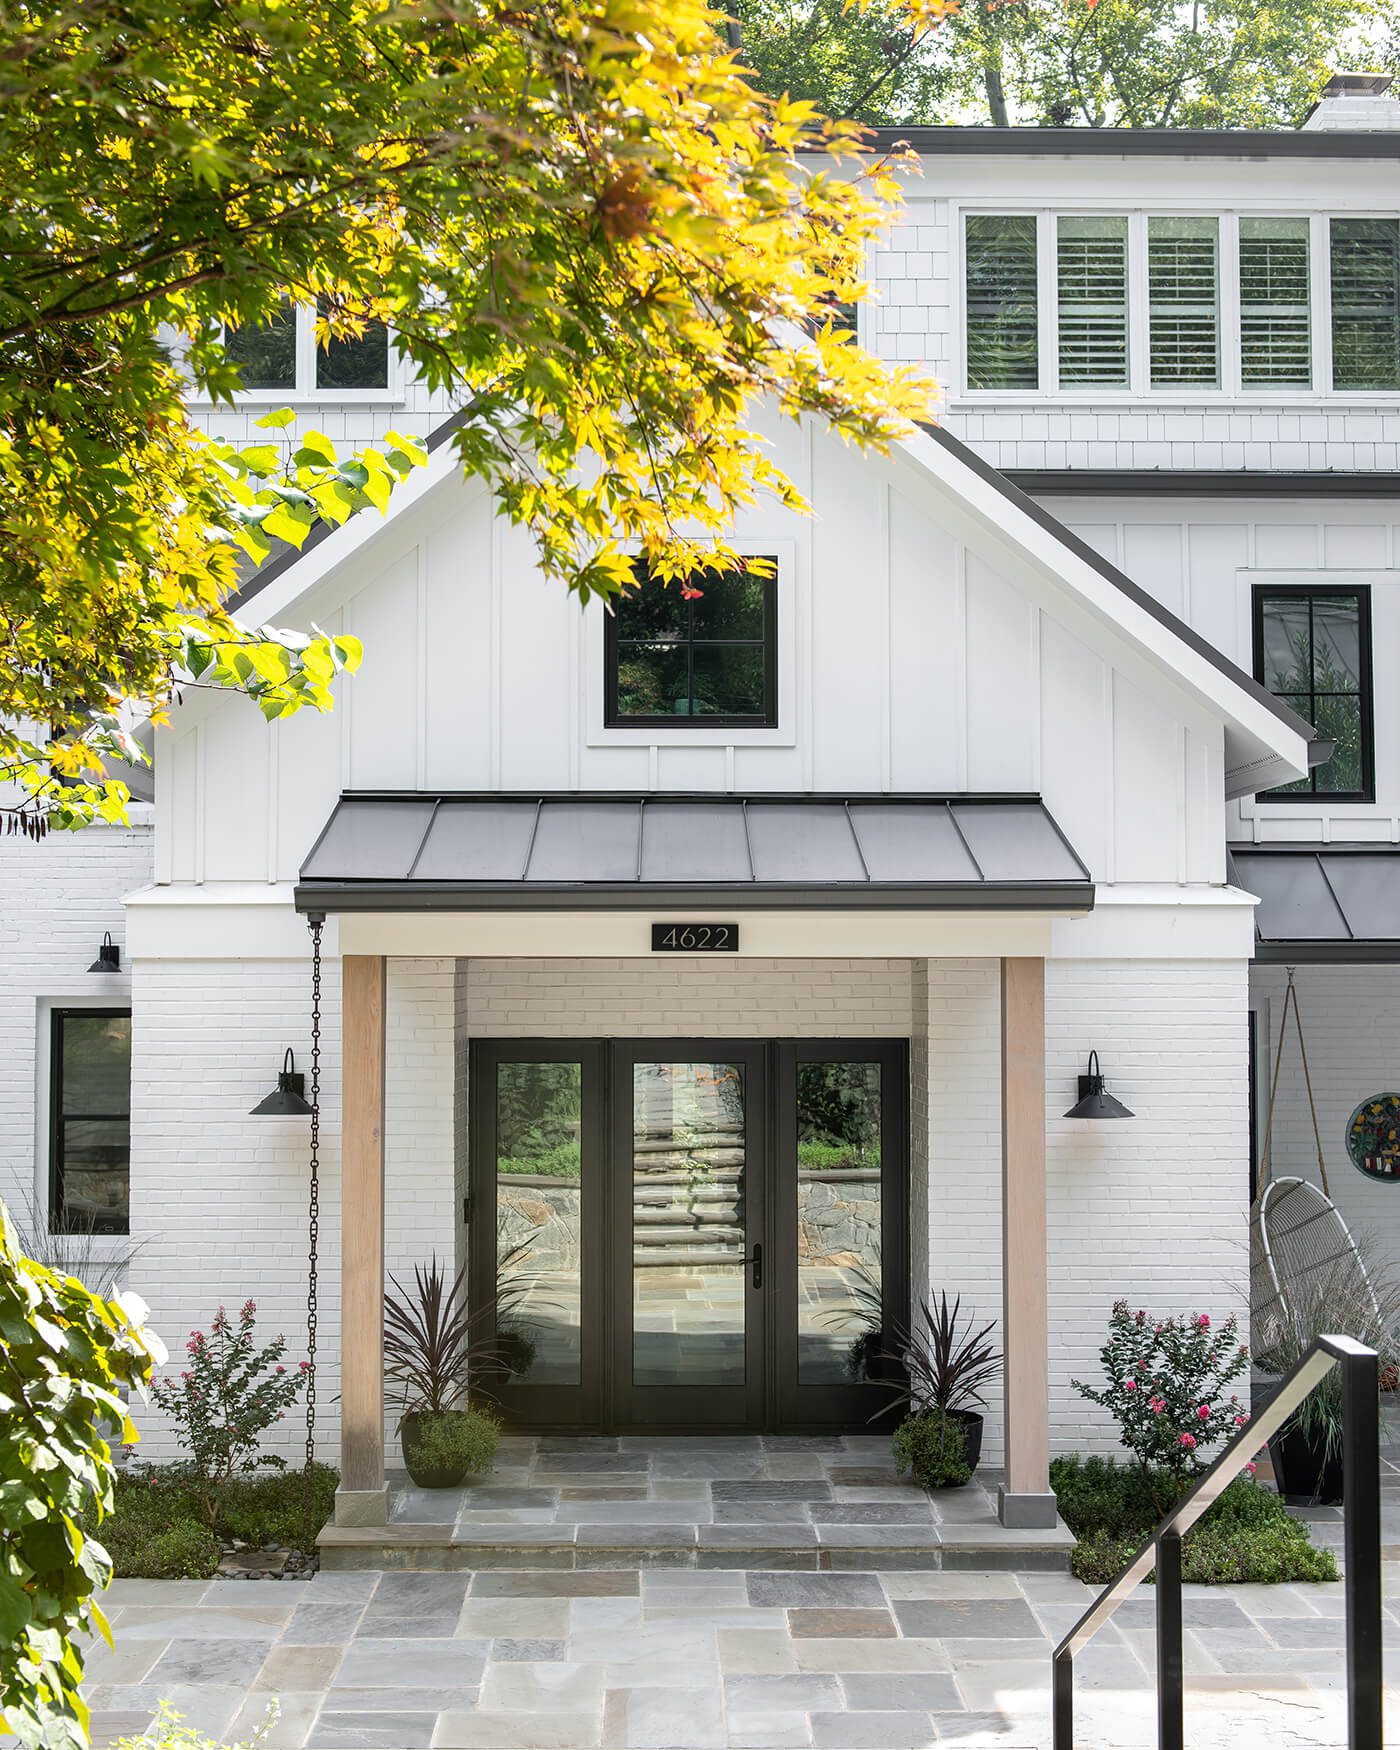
(1312, 649)
(90, 1121)
(708, 655)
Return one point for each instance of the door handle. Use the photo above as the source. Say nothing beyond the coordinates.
(755, 1258)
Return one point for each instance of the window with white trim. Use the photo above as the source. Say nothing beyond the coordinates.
(1091, 279)
(281, 356)
(1275, 306)
(1366, 303)
(1180, 303)
(1002, 339)
(1183, 301)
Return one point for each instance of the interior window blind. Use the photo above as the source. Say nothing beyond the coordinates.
(1366, 303)
(1092, 278)
(1275, 335)
(1002, 350)
(1183, 300)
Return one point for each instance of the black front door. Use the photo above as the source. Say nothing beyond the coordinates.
(688, 1233)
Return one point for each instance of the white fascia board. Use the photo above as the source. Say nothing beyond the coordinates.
(250, 922)
(1261, 751)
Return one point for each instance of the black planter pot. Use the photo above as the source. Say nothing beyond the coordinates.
(424, 1473)
(971, 1421)
(1306, 1473)
(1303, 1472)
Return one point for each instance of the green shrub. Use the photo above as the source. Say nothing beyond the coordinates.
(464, 1440)
(66, 1355)
(825, 1156)
(561, 1162)
(932, 1446)
(272, 1509)
(1248, 1535)
(185, 1550)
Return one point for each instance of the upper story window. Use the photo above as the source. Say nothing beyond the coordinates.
(1166, 302)
(1001, 306)
(1312, 648)
(1366, 303)
(707, 660)
(281, 357)
(90, 1120)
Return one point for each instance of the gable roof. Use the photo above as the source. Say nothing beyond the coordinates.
(1266, 743)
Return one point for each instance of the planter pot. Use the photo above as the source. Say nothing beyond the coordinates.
(1303, 1473)
(425, 1472)
(971, 1421)
(1306, 1473)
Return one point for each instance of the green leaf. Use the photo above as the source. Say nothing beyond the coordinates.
(282, 416)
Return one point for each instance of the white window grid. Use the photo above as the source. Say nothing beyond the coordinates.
(306, 392)
(1140, 390)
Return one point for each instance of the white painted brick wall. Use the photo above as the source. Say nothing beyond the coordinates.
(1153, 1210)
(1351, 1021)
(684, 999)
(60, 896)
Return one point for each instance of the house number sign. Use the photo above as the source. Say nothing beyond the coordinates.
(695, 938)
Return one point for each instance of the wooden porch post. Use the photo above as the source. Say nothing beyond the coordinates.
(1026, 1499)
(362, 1498)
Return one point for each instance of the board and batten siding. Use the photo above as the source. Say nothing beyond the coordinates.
(1202, 558)
(909, 660)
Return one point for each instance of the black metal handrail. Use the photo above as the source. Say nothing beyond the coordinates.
(1361, 1489)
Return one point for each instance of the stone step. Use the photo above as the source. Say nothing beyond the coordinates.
(680, 1257)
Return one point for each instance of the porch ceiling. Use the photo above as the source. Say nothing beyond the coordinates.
(410, 851)
(1320, 903)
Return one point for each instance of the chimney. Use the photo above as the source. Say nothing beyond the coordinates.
(1355, 103)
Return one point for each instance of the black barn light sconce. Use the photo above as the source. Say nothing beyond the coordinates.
(288, 1098)
(1094, 1099)
(109, 956)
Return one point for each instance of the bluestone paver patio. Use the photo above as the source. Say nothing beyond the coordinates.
(657, 1659)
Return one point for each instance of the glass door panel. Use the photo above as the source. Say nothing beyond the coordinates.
(539, 1234)
(841, 1242)
(688, 1256)
(534, 1218)
(687, 1186)
(839, 1301)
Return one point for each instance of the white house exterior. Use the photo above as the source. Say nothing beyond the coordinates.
(992, 741)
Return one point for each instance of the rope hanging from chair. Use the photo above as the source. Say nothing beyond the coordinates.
(1290, 1003)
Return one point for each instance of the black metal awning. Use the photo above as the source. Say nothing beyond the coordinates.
(1322, 902)
(406, 851)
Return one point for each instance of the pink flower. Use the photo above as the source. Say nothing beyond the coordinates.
(1189, 1442)
(280, 1370)
(1203, 1412)
(1250, 1469)
(1129, 1385)
(1156, 1405)
(1240, 1421)
(1203, 1323)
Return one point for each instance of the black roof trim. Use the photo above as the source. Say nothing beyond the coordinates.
(1208, 483)
(1120, 580)
(1141, 142)
(1355, 924)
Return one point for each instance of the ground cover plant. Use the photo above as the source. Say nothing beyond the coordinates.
(1248, 1535)
(157, 1529)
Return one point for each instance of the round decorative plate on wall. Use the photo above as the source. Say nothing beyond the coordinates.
(1373, 1138)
